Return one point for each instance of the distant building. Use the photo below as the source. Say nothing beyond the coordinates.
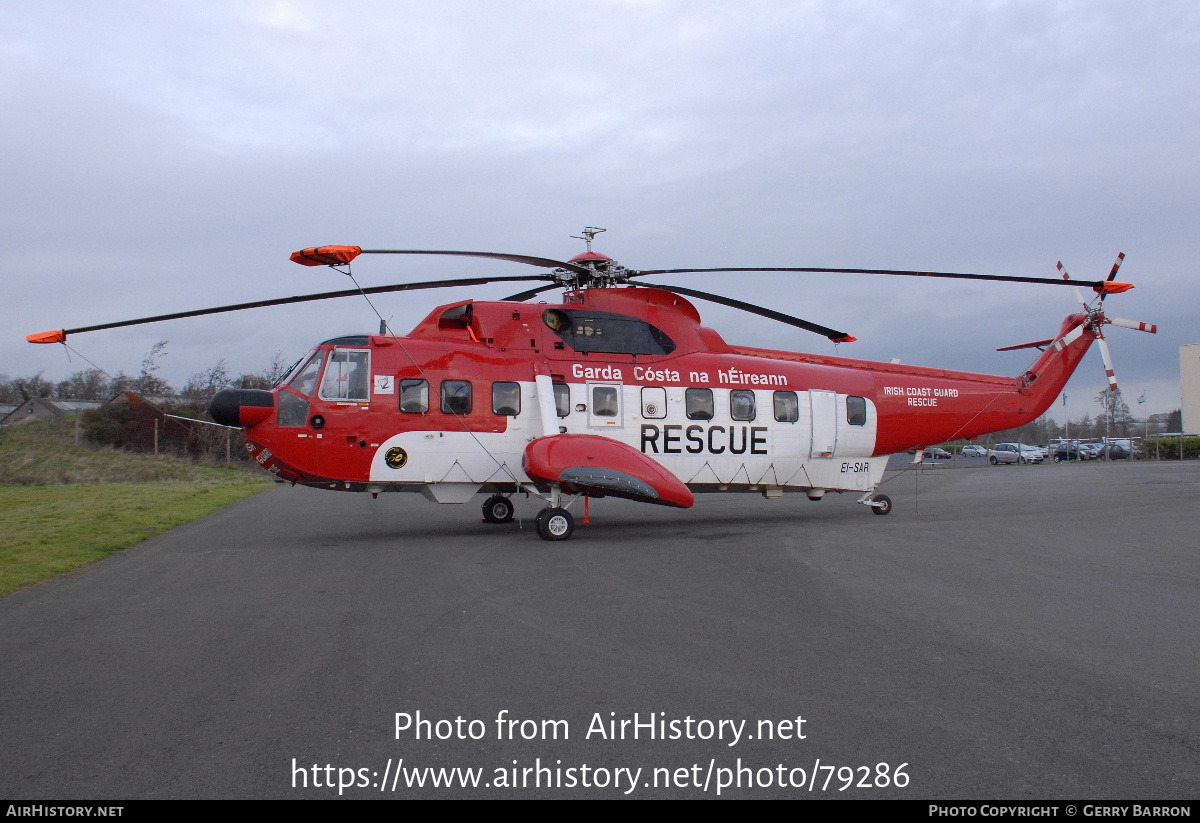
(1189, 386)
(40, 409)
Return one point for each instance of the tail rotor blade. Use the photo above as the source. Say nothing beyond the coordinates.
(1106, 356)
(1132, 324)
(1078, 291)
(1112, 274)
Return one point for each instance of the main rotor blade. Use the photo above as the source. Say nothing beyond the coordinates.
(1093, 284)
(59, 336)
(525, 295)
(540, 262)
(833, 334)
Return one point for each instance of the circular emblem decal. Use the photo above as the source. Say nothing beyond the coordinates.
(395, 458)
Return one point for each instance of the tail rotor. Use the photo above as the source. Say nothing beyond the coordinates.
(1096, 319)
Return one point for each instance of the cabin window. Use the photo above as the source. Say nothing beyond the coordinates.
(699, 404)
(605, 402)
(562, 399)
(414, 396)
(346, 376)
(787, 407)
(456, 396)
(654, 403)
(506, 399)
(305, 380)
(741, 404)
(856, 411)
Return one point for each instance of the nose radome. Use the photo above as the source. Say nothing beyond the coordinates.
(241, 407)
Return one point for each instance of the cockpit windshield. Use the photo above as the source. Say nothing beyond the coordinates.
(305, 381)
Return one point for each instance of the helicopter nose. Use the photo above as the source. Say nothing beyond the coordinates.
(241, 407)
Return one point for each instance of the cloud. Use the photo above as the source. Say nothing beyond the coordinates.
(170, 156)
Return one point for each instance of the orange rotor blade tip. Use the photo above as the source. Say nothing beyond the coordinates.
(326, 255)
(849, 338)
(1112, 287)
(55, 336)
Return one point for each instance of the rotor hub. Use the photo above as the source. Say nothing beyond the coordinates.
(602, 272)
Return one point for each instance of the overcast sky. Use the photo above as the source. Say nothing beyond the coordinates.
(160, 157)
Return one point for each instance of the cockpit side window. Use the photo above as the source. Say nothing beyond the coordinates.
(347, 376)
(305, 381)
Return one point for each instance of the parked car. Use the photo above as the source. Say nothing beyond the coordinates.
(1068, 451)
(934, 453)
(1014, 453)
(1113, 451)
(974, 450)
(1089, 451)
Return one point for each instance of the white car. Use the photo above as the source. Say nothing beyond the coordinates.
(1014, 453)
(974, 451)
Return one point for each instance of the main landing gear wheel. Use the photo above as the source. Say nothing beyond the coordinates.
(883, 504)
(498, 509)
(555, 524)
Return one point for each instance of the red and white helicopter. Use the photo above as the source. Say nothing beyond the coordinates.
(618, 390)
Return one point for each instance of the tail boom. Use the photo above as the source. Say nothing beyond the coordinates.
(918, 412)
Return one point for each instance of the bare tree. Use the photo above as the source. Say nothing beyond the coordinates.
(1117, 417)
(29, 387)
(8, 390)
(147, 384)
(203, 385)
(89, 384)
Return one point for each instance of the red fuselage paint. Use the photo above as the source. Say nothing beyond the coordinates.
(506, 341)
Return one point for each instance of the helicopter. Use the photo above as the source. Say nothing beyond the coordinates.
(618, 390)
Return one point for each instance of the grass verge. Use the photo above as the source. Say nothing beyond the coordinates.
(65, 503)
(50, 530)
